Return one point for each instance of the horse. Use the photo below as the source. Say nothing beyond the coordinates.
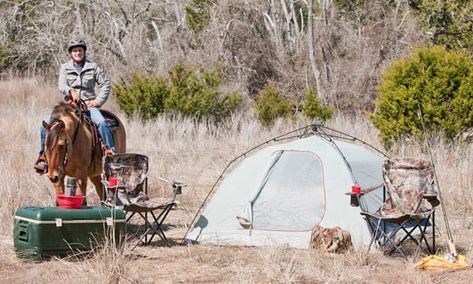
(71, 150)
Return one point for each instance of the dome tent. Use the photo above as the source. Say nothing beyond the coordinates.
(278, 194)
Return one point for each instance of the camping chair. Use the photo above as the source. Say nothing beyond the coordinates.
(409, 208)
(125, 180)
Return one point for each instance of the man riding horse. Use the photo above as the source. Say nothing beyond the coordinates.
(77, 80)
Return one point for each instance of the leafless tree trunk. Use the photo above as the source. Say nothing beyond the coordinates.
(310, 42)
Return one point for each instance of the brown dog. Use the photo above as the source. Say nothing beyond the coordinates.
(334, 240)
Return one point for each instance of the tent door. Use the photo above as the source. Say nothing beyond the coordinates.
(292, 196)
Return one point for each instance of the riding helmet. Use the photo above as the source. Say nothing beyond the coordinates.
(76, 43)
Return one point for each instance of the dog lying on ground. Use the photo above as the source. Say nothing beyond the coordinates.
(334, 240)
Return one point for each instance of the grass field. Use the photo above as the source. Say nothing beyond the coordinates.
(196, 154)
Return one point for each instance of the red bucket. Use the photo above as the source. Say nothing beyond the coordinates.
(72, 202)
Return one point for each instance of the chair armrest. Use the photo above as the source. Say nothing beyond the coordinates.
(176, 185)
(432, 199)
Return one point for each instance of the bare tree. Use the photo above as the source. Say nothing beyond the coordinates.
(121, 34)
(294, 44)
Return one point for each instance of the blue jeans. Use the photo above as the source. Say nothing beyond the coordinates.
(96, 116)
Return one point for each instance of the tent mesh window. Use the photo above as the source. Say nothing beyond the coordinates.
(292, 197)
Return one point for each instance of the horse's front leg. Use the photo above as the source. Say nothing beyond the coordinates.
(59, 188)
(97, 181)
(82, 188)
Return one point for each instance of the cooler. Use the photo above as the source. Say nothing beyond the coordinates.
(53, 231)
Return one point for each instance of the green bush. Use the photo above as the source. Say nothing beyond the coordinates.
(312, 107)
(433, 82)
(143, 94)
(198, 14)
(198, 95)
(270, 105)
(185, 92)
(448, 22)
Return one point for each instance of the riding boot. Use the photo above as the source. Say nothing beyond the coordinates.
(106, 151)
(41, 166)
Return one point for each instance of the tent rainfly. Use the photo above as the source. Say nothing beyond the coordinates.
(278, 194)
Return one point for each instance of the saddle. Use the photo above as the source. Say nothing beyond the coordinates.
(111, 119)
(112, 122)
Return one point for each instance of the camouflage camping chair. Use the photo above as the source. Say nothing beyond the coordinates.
(125, 180)
(409, 208)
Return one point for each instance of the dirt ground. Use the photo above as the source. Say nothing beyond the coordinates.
(159, 263)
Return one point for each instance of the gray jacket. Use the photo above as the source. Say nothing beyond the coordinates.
(84, 83)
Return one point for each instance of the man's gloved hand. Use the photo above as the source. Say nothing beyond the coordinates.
(75, 96)
(91, 103)
(68, 100)
(72, 99)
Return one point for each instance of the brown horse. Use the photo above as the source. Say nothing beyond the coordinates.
(71, 150)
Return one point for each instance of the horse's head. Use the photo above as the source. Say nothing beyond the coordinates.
(56, 149)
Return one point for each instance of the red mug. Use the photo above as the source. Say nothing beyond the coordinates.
(112, 182)
(356, 189)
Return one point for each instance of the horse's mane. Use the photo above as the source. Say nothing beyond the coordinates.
(62, 109)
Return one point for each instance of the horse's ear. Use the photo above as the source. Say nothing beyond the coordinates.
(46, 125)
(62, 124)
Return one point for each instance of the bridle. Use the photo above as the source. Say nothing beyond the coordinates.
(62, 165)
(68, 144)
(55, 123)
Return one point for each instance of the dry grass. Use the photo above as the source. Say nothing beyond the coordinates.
(196, 154)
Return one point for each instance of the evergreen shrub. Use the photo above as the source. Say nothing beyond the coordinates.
(270, 105)
(312, 107)
(197, 94)
(185, 91)
(143, 94)
(432, 82)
